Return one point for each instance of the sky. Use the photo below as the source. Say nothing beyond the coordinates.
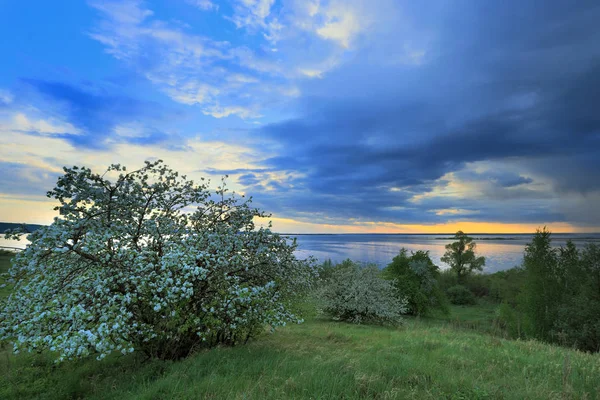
(336, 116)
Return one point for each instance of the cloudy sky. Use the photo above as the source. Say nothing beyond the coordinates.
(335, 115)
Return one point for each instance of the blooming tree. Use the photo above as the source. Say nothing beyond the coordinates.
(359, 294)
(150, 262)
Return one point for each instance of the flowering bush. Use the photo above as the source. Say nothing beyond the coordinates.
(358, 295)
(149, 262)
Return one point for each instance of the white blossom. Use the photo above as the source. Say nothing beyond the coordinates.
(126, 268)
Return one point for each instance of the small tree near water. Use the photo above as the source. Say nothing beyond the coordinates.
(460, 256)
(149, 262)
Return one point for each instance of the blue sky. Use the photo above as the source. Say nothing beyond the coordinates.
(336, 116)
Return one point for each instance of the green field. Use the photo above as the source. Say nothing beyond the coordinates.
(445, 357)
(322, 360)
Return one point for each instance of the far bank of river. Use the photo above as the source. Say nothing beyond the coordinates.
(501, 251)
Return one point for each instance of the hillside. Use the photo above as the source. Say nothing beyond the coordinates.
(322, 360)
(427, 358)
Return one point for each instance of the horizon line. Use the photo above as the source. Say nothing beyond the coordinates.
(421, 233)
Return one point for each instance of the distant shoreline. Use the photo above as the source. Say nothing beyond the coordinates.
(499, 236)
(450, 235)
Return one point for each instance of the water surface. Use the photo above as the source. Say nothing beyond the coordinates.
(501, 251)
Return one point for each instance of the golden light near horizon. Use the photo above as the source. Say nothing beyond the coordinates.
(41, 212)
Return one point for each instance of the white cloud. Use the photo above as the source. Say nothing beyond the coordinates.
(189, 68)
(132, 130)
(341, 25)
(51, 153)
(205, 5)
(123, 12)
(302, 40)
(311, 73)
(251, 13)
(41, 158)
(20, 122)
(221, 112)
(6, 97)
(337, 21)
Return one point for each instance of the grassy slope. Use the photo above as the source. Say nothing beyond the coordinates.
(424, 359)
(322, 359)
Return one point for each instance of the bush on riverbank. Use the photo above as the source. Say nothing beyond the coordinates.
(460, 295)
(359, 295)
(416, 278)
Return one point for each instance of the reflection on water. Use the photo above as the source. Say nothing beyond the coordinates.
(501, 251)
(12, 243)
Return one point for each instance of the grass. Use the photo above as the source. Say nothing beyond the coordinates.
(480, 317)
(427, 358)
(321, 360)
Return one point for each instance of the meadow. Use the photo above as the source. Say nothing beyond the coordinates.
(424, 359)
(453, 356)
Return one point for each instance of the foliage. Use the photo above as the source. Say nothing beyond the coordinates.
(507, 286)
(150, 262)
(460, 295)
(542, 295)
(578, 322)
(416, 278)
(561, 299)
(327, 269)
(461, 257)
(479, 284)
(512, 321)
(359, 294)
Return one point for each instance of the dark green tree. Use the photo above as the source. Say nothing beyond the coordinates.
(461, 257)
(542, 290)
(416, 278)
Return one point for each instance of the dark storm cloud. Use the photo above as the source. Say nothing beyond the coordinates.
(503, 179)
(513, 82)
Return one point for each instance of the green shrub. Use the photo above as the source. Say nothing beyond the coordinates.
(460, 295)
(416, 278)
(561, 296)
(506, 286)
(446, 279)
(512, 321)
(359, 294)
